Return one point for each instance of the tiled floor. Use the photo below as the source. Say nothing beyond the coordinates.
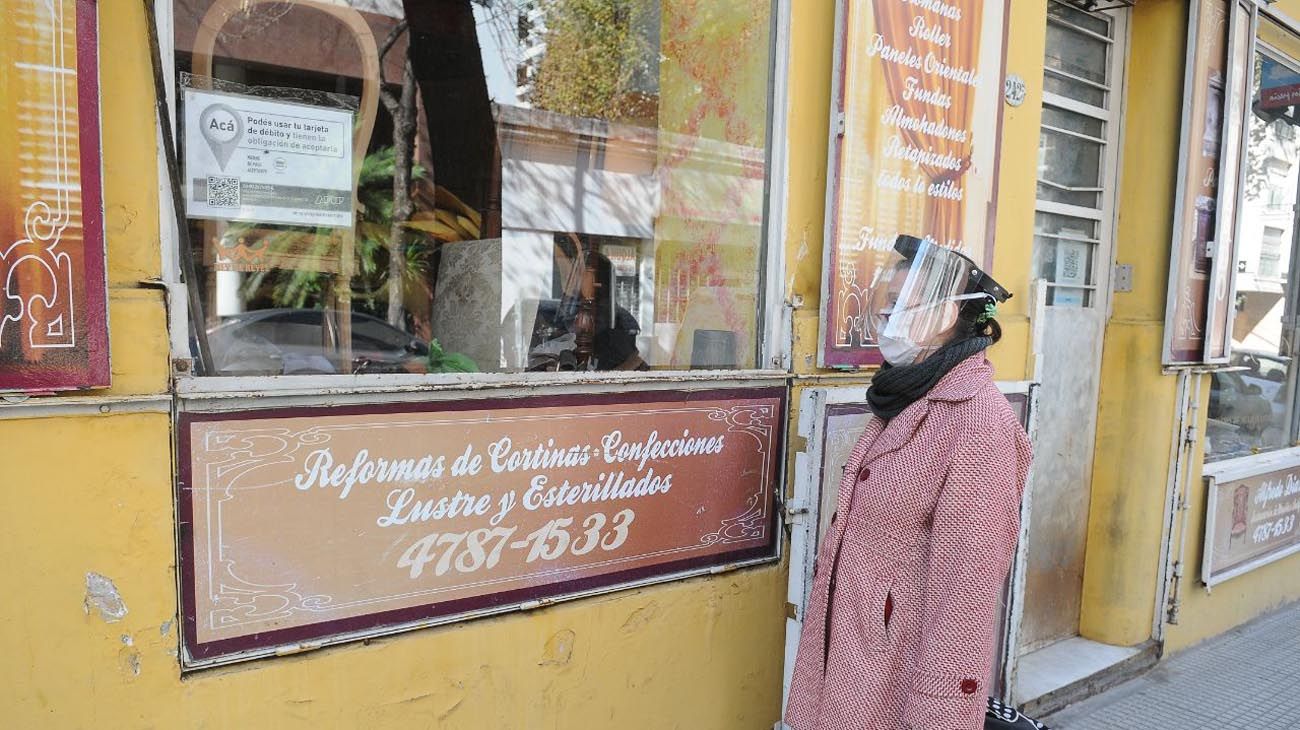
(1247, 678)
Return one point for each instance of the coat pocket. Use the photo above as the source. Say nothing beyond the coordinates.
(875, 615)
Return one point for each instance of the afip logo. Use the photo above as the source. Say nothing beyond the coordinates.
(223, 128)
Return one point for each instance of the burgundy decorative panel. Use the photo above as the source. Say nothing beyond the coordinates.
(53, 310)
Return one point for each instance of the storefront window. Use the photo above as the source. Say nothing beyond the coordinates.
(1252, 404)
(378, 186)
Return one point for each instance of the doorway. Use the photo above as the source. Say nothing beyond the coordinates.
(1074, 224)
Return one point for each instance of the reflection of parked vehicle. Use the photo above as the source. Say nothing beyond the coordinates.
(1235, 400)
(291, 341)
(1263, 364)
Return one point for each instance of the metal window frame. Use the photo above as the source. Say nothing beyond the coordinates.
(773, 330)
(1078, 107)
(1071, 133)
(1106, 215)
(1252, 11)
(1073, 211)
(1071, 6)
(1224, 263)
(1072, 77)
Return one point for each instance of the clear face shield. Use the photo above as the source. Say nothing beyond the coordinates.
(917, 296)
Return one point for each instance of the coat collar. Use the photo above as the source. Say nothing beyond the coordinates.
(963, 381)
(959, 384)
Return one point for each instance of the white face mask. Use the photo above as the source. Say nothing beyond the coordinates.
(899, 353)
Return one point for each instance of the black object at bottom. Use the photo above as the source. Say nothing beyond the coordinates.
(1005, 717)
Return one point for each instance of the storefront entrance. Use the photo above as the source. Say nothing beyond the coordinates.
(1074, 231)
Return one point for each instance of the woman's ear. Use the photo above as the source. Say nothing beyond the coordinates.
(948, 315)
(935, 332)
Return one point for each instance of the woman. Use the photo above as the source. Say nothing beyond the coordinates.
(899, 628)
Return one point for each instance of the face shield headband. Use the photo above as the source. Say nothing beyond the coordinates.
(919, 293)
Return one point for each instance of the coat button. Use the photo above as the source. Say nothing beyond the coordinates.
(968, 686)
(863, 473)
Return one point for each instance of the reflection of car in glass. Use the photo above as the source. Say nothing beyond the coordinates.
(291, 341)
(1263, 364)
(1238, 401)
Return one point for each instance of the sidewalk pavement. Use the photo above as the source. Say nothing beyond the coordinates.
(1246, 678)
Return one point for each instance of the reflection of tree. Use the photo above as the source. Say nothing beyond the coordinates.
(1268, 136)
(401, 107)
(1256, 176)
(372, 282)
(597, 54)
(1268, 139)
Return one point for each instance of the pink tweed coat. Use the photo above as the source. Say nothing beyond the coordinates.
(899, 629)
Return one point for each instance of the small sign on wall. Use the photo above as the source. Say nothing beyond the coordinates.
(1252, 513)
(267, 160)
(303, 527)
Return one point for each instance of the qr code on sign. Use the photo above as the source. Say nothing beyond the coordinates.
(223, 192)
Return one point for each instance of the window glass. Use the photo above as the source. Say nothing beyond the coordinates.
(1087, 21)
(1078, 54)
(1071, 122)
(1072, 154)
(1064, 249)
(1074, 89)
(1069, 169)
(475, 185)
(1252, 404)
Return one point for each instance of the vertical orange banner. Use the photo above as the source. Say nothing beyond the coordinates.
(918, 116)
(53, 312)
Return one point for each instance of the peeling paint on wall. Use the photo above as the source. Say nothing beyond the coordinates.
(641, 617)
(102, 596)
(120, 218)
(130, 659)
(559, 648)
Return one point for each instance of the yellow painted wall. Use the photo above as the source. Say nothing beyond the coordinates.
(695, 654)
(1014, 244)
(93, 493)
(1136, 412)
(1205, 613)
(1138, 406)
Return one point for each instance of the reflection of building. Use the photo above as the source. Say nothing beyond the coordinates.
(564, 175)
(1268, 225)
(606, 183)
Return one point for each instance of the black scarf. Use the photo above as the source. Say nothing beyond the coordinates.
(896, 388)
